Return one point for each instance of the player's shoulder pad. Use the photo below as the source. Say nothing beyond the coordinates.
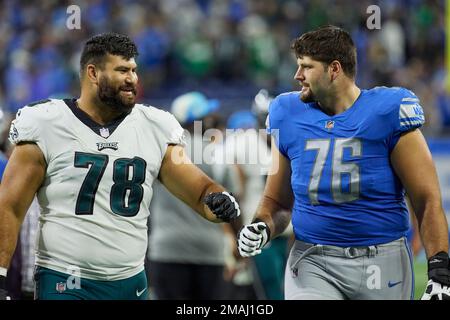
(280, 104)
(41, 110)
(33, 119)
(164, 121)
(410, 112)
(403, 106)
(281, 100)
(393, 97)
(155, 114)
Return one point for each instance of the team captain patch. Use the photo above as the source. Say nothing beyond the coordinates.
(107, 145)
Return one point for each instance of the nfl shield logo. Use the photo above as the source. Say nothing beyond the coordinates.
(104, 132)
(60, 287)
(329, 125)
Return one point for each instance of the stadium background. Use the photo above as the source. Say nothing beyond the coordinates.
(229, 49)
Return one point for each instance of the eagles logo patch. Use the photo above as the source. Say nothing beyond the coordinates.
(107, 145)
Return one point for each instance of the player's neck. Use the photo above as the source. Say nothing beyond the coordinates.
(101, 115)
(340, 100)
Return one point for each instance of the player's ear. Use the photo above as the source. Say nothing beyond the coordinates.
(92, 73)
(334, 69)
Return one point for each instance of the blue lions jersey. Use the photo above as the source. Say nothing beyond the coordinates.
(346, 192)
(3, 162)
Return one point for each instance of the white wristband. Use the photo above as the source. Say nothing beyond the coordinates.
(3, 271)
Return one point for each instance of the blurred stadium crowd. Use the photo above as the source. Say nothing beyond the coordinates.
(228, 49)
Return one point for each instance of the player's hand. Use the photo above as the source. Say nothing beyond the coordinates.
(223, 205)
(438, 286)
(252, 237)
(3, 293)
(436, 291)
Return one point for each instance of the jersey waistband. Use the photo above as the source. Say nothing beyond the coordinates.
(90, 274)
(348, 252)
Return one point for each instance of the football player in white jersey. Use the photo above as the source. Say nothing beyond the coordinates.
(92, 162)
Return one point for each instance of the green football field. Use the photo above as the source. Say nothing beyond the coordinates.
(420, 273)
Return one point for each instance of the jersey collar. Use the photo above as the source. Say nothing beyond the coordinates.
(103, 131)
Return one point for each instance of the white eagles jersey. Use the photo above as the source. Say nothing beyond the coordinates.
(98, 186)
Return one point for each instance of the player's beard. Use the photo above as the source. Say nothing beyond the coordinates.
(111, 96)
(309, 97)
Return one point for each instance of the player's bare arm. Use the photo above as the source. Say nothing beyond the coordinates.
(276, 203)
(274, 210)
(23, 176)
(187, 182)
(414, 166)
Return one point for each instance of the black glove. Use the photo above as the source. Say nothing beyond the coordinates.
(223, 205)
(3, 292)
(438, 286)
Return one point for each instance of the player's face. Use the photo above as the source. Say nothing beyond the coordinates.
(117, 83)
(311, 75)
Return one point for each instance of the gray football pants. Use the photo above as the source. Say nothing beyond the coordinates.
(317, 272)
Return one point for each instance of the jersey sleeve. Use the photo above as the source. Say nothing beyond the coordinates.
(274, 123)
(166, 128)
(174, 133)
(28, 126)
(410, 114)
(163, 126)
(3, 163)
(407, 115)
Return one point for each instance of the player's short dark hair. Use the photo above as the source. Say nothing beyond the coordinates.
(97, 47)
(326, 44)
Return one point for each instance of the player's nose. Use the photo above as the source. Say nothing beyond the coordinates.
(131, 80)
(299, 75)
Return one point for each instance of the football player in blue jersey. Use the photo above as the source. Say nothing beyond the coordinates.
(343, 159)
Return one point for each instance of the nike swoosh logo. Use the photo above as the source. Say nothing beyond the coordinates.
(393, 284)
(139, 293)
(435, 261)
